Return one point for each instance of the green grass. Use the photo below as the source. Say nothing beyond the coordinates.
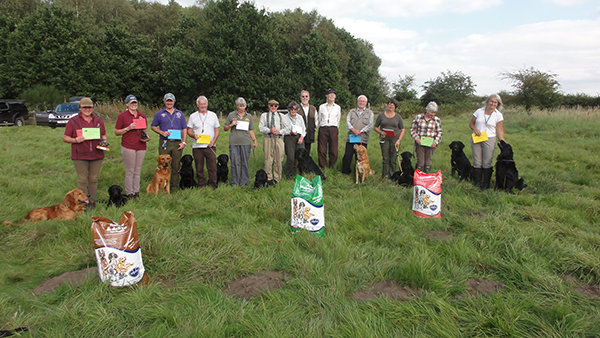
(196, 242)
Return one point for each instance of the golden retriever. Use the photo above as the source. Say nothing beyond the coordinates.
(162, 177)
(73, 204)
(363, 167)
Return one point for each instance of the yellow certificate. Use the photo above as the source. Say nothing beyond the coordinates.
(477, 139)
(203, 139)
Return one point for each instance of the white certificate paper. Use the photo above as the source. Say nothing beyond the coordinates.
(242, 125)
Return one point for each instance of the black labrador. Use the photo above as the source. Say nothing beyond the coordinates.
(507, 176)
(186, 172)
(260, 180)
(459, 161)
(306, 164)
(116, 196)
(222, 168)
(405, 177)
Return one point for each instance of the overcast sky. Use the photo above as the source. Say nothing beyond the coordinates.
(481, 38)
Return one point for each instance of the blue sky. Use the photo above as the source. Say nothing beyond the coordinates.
(481, 38)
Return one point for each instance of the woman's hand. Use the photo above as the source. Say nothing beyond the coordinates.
(476, 132)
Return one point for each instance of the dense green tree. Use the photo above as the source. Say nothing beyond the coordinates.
(219, 48)
(448, 88)
(49, 47)
(43, 97)
(534, 88)
(404, 88)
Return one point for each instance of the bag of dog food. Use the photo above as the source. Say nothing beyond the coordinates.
(307, 206)
(427, 194)
(118, 251)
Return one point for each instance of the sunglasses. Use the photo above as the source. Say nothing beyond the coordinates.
(273, 105)
(304, 96)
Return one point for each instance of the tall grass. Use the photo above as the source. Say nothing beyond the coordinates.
(539, 243)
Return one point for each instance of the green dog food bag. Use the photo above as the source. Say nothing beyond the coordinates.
(307, 206)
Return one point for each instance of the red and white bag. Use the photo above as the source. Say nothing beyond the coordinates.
(118, 251)
(427, 195)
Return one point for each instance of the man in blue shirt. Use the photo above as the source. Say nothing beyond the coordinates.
(170, 124)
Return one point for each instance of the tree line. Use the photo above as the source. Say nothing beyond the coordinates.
(222, 49)
(107, 49)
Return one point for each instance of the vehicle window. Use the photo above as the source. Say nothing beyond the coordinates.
(3, 105)
(64, 107)
(19, 106)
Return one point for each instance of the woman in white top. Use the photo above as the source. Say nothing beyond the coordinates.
(486, 119)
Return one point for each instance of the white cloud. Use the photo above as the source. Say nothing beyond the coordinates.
(570, 49)
(381, 8)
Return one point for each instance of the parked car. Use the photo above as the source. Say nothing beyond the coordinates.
(59, 116)
(13, 112)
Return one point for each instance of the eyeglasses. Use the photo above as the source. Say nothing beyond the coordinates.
(273, 105)
(303, 95)
(293, 108)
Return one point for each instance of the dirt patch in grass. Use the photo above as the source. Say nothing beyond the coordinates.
(481, 286)
(389, 289)
(588, 290)
(440, 235)
(73, 278)
(248, 286)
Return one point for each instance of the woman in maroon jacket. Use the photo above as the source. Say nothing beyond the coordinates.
(87, 158)
(133, 144)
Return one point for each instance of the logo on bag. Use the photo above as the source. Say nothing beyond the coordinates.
(314, 221)
(134, 272)
(433, 207)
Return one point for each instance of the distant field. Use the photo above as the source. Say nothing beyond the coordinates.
(495, 265)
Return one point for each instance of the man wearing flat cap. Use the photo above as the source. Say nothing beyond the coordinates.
(295, 139)
(170, 124)
(273, 129)
(329, 120)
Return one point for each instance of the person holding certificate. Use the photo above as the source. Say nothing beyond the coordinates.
(203, 127)
(487, 124)
(131, 125)
(391, 128)
(86, 133)
(359, 123)
(294, 139)
(241, 141)
(170, 124)
(426, 130)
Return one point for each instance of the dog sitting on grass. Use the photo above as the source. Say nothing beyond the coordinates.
(186, 173)
(405, 176)
(363, 166)
(459, 161)
(222, 169)
(507, 176)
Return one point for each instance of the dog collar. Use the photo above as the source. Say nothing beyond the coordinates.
(363, 159)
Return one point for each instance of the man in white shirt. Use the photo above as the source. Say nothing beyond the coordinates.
(310, 116)
(359, 123)
(203, 127)
(329, 120)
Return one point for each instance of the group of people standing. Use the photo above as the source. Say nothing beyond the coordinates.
(283, 135)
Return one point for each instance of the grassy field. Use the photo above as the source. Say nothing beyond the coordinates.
(540, 246)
